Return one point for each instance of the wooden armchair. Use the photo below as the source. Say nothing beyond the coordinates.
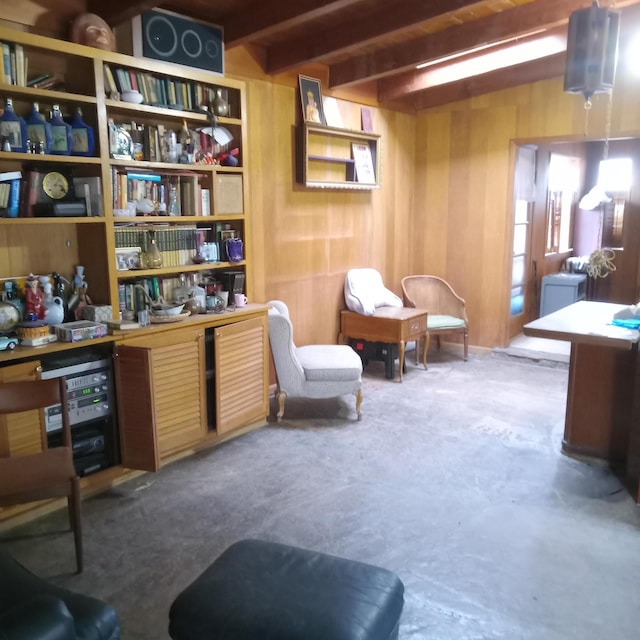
(49, 473)
(447, 312)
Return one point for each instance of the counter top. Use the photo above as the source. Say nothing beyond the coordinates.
(584, 322)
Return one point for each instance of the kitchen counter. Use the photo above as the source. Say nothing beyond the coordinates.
(600, 412)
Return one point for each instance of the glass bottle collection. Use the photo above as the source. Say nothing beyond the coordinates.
(59, 135)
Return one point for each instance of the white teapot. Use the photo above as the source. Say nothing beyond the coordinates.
(54, 310)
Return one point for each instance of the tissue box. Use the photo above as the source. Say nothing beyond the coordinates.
(98, 313)
(80, 330)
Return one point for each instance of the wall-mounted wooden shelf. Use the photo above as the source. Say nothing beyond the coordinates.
(333, 158)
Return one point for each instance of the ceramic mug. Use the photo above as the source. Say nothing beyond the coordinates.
(240, 299)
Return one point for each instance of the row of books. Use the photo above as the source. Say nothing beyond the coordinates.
(160, 91)
(10, 188)
(175, 194)
(178, 245)
(14, 65)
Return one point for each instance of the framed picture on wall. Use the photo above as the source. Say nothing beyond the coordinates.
(311, 100)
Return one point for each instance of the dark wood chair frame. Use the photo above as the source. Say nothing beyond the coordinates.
(52, 467)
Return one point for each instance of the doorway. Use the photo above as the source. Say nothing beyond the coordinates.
(549, 225)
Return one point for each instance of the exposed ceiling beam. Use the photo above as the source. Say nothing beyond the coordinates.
(356, 32)
(115, 12)
(503, 57)
(506, 24)
(267, 18)
(525, 73)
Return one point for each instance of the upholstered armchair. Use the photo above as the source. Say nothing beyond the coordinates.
(312, 371)
(447, 311)
(364, 291)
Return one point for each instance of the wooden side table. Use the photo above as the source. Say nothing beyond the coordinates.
(397, 325)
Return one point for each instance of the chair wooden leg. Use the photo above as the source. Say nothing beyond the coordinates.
(281, 399)
(466, 345)
(75, 518)
(359, 403)
(425, 349)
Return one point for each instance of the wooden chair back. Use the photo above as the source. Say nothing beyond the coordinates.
(49, 473)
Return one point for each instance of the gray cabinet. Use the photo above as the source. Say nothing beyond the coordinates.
(560, 290)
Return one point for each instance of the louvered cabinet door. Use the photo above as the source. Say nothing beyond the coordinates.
(161, 397)
(241, 374)
(22, 433)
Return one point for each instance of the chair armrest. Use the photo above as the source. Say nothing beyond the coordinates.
(42, 617)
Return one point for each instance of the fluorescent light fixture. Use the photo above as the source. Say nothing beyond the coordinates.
(509, 56)
(482, 47)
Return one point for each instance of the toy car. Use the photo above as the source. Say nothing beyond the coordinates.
(8, 343)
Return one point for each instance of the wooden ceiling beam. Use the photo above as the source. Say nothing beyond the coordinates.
(356, 32)
(268, 18)
(514, 22)
(400, 85)
(542, 69)
(116, 12)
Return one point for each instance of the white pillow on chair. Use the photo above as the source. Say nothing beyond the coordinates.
(364, 291)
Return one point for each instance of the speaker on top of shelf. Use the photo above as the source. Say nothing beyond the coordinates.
(163, 35)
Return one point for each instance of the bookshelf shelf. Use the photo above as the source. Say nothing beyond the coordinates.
(51, 221)
(47, 95)
(36, 158)
(186, 268)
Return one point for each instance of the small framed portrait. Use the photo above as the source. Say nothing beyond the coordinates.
(311, 100)
(127, 258)
(226, 234)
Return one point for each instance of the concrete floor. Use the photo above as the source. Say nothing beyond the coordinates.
(453, 479)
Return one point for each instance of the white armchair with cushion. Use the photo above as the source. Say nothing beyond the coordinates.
(312, 371)
(364, 291)
(447, 310)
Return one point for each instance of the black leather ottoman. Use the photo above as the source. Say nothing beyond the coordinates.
(260, 590)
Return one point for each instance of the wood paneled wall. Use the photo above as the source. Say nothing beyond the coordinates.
(305, 240)
(463, 178)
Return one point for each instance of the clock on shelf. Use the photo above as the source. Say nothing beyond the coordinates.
(51, 192)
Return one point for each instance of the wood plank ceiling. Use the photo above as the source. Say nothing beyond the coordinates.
(383, 41)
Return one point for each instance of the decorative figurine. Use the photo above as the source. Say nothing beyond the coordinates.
(34, 299)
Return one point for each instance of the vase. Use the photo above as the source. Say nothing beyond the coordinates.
(83, 140)
(13, 129)
(61, 133)
(219, 105)
(38, 131)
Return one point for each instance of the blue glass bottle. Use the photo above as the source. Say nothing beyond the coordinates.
(39, 130)
(82, 134)
(61, 132)
(13, 128)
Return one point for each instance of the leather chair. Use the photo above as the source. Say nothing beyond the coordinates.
(33, 609)
(49, 473)
(312, 371)
(447, 311)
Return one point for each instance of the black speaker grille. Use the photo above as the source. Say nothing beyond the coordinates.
(172, 38)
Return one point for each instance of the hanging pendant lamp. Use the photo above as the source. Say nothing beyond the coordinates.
(592, 51)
